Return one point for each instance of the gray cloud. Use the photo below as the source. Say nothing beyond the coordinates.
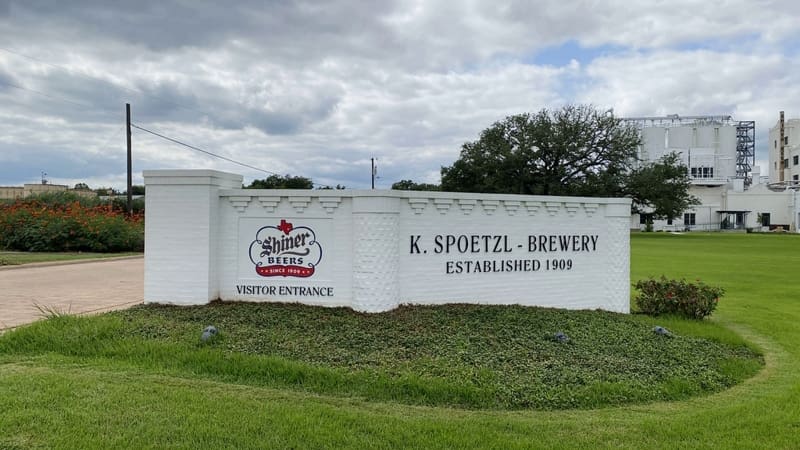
(318, 88)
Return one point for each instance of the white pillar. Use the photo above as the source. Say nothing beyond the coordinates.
(181, 229)
(376, 258)
(618, 270)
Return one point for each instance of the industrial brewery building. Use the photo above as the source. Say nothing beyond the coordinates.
(719, 153)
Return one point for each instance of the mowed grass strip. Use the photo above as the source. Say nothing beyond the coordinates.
(9, 258)
(472, 356)
(55, 401)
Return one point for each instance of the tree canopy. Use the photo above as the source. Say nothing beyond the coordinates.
(661, 188)
(282, 182)
(410, 185)
(575, 150)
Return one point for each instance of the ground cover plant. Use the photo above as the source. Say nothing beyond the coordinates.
(470, 356)
(58, 222)
(51, 399)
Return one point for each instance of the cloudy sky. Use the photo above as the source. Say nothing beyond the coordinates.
(318, 88)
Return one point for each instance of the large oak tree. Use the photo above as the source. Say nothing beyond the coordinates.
(575, 150)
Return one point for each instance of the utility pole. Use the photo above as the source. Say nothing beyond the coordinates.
(373, 172)
(130, 170)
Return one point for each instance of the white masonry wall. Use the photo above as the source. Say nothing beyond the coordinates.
(373, 250)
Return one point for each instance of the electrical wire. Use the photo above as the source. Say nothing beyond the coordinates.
(176, 141)
(201, 150)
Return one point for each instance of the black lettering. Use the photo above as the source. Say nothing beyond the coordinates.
(486, 238)
(414, 244)
(450, 240)
(476, 244)
(463, 244)
(437, 244)
(594, 242)
(564, 240)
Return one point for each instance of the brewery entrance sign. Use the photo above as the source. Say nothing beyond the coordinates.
(206, 238)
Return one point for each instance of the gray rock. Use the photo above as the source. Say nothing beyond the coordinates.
(208, 333)
(661, 331)
(561, 337)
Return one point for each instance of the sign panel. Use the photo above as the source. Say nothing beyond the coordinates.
(284, 258)
(544, 260)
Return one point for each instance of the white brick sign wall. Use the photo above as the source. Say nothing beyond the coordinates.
(206, 238)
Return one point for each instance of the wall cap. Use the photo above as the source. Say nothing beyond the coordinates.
(196, 177)
(350, 193)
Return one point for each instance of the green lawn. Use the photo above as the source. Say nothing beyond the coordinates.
(8, 258)
(57, 400)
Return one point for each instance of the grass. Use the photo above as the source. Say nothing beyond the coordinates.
(469, 356)
(57, 399)
(8, 258)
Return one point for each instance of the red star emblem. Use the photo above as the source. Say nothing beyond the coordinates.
(285, 226)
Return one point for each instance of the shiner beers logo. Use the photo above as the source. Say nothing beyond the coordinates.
(286, 251)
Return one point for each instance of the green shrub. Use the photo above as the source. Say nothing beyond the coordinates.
(121, 204)
(680, 297)
(63, 222)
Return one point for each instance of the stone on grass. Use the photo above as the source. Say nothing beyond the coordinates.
(561, 337)
(208, 333)
(661, 331)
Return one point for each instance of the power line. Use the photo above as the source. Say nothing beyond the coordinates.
(201, 150)
(90, 77)
(176, 141)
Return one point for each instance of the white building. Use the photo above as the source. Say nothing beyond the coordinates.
(720, 155)
(784, 147)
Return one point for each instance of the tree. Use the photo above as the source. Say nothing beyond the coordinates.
(106, 191)
(661, 188)
(82, 186)
(282, 182)
(409, 185)
(577, 150)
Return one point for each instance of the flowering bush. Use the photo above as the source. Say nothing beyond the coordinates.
(67, 223)
(692, 300)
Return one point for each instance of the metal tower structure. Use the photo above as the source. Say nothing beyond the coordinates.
(745, 149)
